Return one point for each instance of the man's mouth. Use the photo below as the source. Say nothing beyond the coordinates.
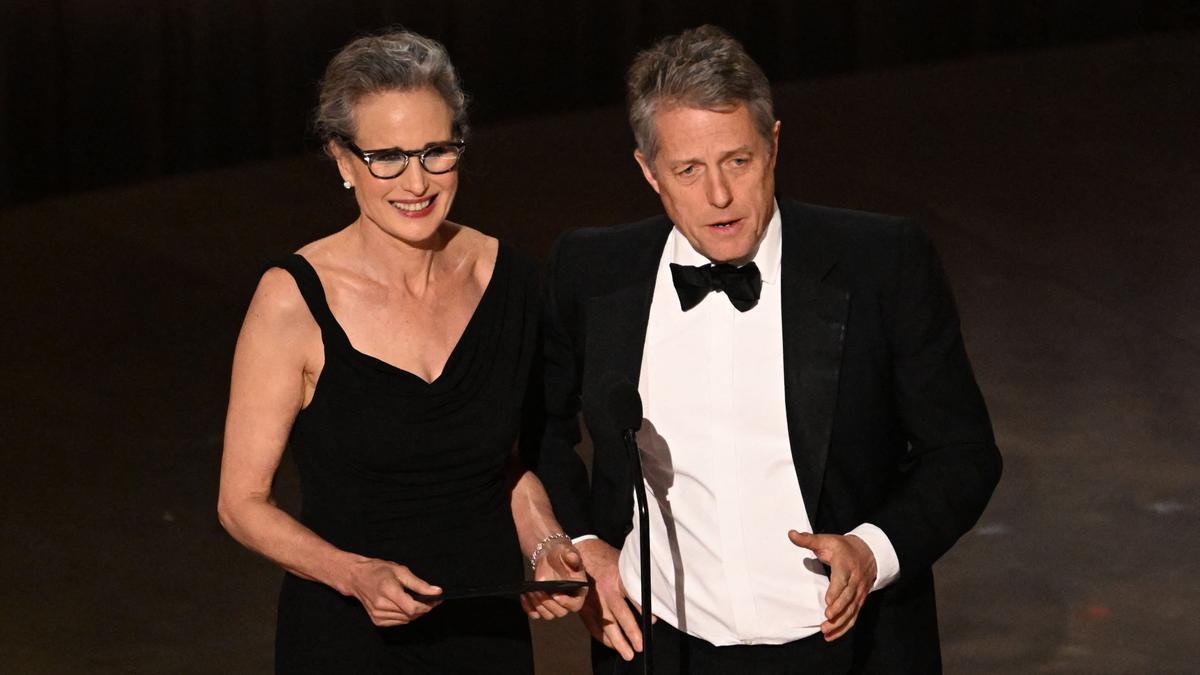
(725, 225)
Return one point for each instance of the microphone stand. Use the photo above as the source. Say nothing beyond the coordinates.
(639, 489)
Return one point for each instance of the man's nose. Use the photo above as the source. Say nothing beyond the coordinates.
(717, 189)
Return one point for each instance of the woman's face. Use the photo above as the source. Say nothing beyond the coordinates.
(411, 206)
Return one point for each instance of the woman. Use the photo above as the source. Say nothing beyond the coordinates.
(393, 356)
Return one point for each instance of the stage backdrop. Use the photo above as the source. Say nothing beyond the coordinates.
(98, 92)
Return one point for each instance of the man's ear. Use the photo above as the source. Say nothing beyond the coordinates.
(775, 143)
(647, 170)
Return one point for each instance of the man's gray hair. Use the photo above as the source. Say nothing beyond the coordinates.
(395, 61)
(703, 68)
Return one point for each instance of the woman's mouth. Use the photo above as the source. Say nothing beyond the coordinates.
(414, 208)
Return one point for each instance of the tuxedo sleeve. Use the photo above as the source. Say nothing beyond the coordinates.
(952, 465)
(558, 465)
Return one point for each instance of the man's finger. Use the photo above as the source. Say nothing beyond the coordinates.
(810, 541)
(799, 538)
(600, 623)
(842, 619)
(860, 597)
(597, 632)
(628, 624)
(616, 639)
(839, 584)
(638, 606)
(835, 605)
(834, 630)
(842, 614)
(588, 615)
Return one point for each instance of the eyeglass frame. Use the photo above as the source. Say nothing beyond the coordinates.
(367, 156)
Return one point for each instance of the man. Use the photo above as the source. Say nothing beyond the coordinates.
(813, 438)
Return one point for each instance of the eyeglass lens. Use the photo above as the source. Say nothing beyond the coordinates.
(438, 159)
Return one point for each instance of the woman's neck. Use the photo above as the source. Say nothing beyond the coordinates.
(411, 266)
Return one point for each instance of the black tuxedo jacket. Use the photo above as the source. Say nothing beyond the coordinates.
(886, 422)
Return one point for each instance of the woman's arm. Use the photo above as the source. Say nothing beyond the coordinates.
(271, 368)
(557, 559)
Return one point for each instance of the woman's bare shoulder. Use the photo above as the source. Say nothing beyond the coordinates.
(277, 302)
(477, 249)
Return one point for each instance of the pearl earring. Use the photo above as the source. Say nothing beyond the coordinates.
(347, 184)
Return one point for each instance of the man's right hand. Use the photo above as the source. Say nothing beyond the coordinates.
(605, 612)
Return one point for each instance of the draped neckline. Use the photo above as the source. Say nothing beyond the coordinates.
(451, 359)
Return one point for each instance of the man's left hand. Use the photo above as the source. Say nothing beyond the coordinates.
(851, 575)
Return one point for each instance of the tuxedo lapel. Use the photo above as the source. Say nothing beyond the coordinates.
(814, 324)
(617, 319)
(615, 342)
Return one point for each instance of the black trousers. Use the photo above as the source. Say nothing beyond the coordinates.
(677, 653)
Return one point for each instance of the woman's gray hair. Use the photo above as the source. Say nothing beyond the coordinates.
(395, 61)
(701, 68)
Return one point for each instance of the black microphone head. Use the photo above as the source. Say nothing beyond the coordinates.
(624, 404)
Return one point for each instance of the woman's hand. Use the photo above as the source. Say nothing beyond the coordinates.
(559, 561)
(383, 589)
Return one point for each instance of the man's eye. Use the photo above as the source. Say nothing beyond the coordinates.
(687, 171)
(741, 161)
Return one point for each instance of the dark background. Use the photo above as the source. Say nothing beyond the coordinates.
(103, 92)
(153, 158)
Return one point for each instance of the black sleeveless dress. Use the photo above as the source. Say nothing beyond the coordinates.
(395, 468)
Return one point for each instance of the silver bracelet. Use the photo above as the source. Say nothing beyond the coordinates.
(537, 550)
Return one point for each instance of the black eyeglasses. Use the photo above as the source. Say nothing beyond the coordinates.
(391, 162)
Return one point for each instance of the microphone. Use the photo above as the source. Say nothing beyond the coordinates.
(625, 410)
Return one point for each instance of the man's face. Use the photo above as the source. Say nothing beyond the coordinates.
(716, 176)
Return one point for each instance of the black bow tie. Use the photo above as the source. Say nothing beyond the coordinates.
(741, 284)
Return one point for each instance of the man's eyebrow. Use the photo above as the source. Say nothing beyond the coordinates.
(740, 150)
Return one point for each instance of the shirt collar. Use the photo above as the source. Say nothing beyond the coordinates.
(767, 256)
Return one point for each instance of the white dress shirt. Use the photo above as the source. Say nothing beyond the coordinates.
(721, 484)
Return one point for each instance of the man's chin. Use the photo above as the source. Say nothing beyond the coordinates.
(723, 252)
